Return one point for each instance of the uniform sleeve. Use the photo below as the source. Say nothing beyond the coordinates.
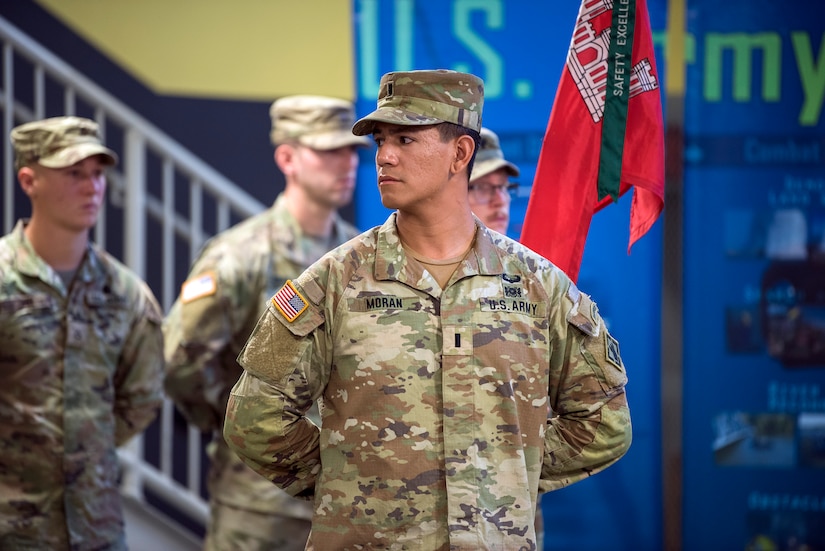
(266, 417)
(589, 425)
(197, 332)
(139, 376)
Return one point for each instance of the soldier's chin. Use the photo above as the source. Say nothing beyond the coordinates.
(498, 225)
(342, 199)
(387, 200)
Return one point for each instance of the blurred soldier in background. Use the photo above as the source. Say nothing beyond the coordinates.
(81, 350)
(228, 288)
(491, 190)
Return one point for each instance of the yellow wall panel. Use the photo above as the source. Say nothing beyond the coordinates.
(239, 49)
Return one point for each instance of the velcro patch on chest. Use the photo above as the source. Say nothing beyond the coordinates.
(203, 285)
(383, 303)
(289, 302)
(515, 306)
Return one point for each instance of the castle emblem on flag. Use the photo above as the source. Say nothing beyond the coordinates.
(587, 59)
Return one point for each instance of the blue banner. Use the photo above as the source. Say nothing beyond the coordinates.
(754, 295)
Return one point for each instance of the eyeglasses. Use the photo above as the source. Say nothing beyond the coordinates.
(483, 193)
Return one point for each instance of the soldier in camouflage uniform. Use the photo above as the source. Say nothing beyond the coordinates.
(81, 351)
(227, 289)
(438, 348)
(490, 186)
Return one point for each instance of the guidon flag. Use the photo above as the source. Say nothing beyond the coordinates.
(605, 134)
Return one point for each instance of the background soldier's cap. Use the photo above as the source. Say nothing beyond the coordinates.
(59, 142)
(490, 157)
(415, 98)
(318, 122)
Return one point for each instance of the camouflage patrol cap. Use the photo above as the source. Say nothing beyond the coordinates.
(426, 97)
(59, 142)
(490, 157)
(318, 122)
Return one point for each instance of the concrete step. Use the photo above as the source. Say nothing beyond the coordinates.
(147, 529)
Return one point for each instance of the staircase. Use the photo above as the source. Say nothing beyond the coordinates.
(163, 203)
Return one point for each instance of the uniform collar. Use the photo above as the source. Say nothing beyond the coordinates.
(28, 262)
(391, 262)
(293, 243)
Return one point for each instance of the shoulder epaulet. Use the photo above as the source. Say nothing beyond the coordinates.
(584, 314)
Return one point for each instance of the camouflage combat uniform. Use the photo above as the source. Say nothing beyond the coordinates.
(82, 372)
(435, 431)
(227, 289)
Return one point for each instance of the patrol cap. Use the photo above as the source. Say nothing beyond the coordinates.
(59, 142)
(414, 98)
(490, 157)
(318, 122)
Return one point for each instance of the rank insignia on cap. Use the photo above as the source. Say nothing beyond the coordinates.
(197, 287)
(289, 302)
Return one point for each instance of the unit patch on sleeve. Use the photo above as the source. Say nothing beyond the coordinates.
(612, 351)
(289, 302)
(197, 287)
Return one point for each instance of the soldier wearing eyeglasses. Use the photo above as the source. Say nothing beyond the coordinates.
(491, 190)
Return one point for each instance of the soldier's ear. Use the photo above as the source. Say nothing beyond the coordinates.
(464, 147)
(26, 178)
(284, 155)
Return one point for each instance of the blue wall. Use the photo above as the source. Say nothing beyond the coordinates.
(754, 383)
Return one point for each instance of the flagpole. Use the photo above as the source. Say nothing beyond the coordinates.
(672, 251)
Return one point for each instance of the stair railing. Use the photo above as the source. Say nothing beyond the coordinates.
(161, 197)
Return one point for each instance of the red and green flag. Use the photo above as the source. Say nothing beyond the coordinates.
(605, 134)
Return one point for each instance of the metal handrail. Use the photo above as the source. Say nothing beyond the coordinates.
(129, 191)
(118, 111)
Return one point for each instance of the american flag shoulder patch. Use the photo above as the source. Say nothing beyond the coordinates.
(197, 287)
(289, 301)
